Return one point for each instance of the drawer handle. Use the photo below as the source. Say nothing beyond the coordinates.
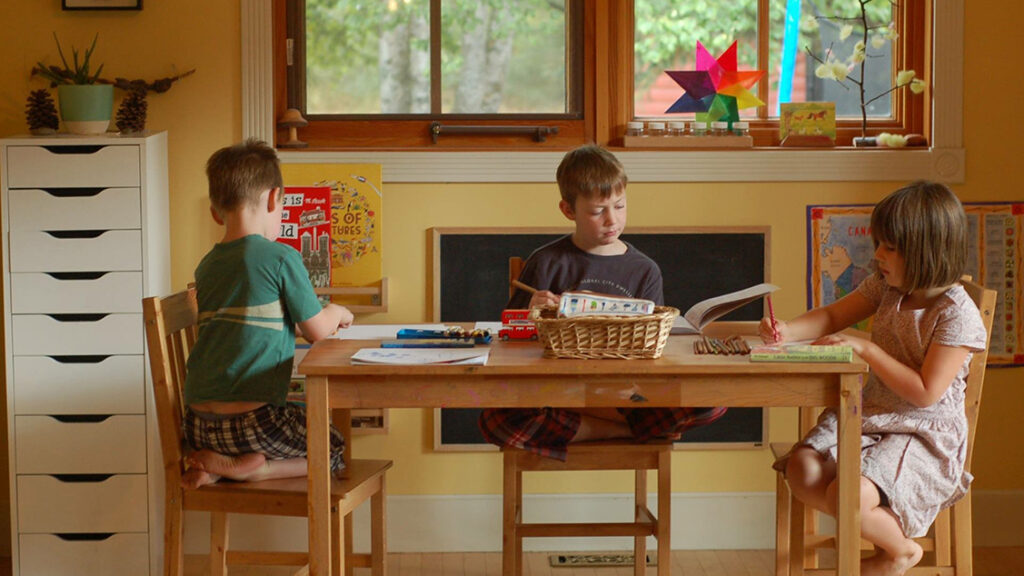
(81, 478)
(74, 149)
(76, 275)
(80, 418)
(73, 192)
(84, 359)
(70, 234)
(93, 537)
(77, 317)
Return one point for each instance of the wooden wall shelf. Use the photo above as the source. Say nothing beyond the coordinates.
(360, 299)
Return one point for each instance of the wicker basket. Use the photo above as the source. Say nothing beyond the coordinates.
(603, 336)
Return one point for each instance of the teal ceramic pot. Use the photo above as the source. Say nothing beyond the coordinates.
(86, 108)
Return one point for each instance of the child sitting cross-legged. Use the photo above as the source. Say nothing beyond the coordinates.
(592, 183)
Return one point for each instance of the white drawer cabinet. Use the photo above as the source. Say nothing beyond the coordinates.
(85, 238)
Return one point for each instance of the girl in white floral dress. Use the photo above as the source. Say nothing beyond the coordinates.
(914, 428)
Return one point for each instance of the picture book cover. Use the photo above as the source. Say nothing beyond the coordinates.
(356, 257)
(807, 119)
(306, 226)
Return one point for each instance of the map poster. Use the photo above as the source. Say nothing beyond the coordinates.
(355, 217)
(840, 255)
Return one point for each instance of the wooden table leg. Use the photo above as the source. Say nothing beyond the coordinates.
(318, 448)
(848, 521)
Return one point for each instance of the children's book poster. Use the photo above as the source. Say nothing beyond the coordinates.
(354, 217)
(306, 226)
(841, 252)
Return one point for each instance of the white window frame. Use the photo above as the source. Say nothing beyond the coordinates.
(942, 161)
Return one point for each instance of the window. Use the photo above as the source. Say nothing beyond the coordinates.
(584, 67)
(388, 71)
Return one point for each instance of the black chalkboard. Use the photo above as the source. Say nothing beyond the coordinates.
(470, 267)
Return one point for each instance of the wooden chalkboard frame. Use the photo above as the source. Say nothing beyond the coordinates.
(434, 298)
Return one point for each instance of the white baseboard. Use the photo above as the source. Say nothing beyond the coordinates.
(719, 521)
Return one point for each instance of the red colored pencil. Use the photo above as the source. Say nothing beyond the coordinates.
(771, 316)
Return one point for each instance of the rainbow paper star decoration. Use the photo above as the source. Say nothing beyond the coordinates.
(716, 90)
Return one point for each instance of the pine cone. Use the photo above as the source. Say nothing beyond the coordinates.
(41, 113)
(131, 116)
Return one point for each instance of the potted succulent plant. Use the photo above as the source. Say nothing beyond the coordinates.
(86, 103)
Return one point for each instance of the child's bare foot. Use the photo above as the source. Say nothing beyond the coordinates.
(194, 478)
(233, 467)
(882, 564)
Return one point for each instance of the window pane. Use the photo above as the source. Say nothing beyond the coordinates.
(818, 26)
(503, 57)
(369, 57)
(665, 38)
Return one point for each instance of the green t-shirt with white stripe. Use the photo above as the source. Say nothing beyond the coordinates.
(251, 292)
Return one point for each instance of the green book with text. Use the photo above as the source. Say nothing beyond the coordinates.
(801, 353)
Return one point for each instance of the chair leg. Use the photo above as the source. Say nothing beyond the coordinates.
(218, 544)
(963, 537)
(338, 551)
(510, 499)
(798, 514)
(174, 558)
(640, 503)
(349, 545)
(783, 555)
(378, 531)
(665, 513)
(943, 534)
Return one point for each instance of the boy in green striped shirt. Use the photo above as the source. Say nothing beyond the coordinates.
(253, 293)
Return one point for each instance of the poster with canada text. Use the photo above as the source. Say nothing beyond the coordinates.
(355, 217)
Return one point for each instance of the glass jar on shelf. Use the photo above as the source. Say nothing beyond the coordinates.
(655, 129)
(635, 129)
(719, 128)
(699, 128)
(676, 128)
(741, 128)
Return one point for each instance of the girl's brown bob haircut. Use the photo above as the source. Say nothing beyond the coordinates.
(925, 222)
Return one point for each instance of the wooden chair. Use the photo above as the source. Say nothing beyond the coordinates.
(171, 329)
(948, 543)
(604, 455)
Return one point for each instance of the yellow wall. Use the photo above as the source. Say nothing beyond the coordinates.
(202, 113)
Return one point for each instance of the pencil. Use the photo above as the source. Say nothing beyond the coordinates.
(524, 287)
(771, 316)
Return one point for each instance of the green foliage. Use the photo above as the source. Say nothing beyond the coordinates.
(77, 72)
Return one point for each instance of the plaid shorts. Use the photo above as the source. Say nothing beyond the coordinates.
(277, 432)
(547, 431)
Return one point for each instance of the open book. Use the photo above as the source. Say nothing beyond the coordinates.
(706, 311)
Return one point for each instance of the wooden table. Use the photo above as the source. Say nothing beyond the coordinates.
(516, 375)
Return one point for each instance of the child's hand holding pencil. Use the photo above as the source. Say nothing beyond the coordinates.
(540, 297)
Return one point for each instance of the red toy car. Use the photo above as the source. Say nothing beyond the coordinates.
(515, 325)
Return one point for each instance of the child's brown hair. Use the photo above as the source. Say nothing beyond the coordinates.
(588, 171)
(239, 174)
(925, 222)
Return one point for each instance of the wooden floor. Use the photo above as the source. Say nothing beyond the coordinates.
(987, 562)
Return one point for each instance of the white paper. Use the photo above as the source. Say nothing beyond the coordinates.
(494, 327)
(380, 331)
(421, 356)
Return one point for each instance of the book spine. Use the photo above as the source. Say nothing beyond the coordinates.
(836, 356)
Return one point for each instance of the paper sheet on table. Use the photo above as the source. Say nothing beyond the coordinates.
(380, 331)
(494, 327)
(420, 356)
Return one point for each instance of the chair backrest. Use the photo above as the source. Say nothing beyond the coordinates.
(171, 329)
(515, 268)
(985, 300)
